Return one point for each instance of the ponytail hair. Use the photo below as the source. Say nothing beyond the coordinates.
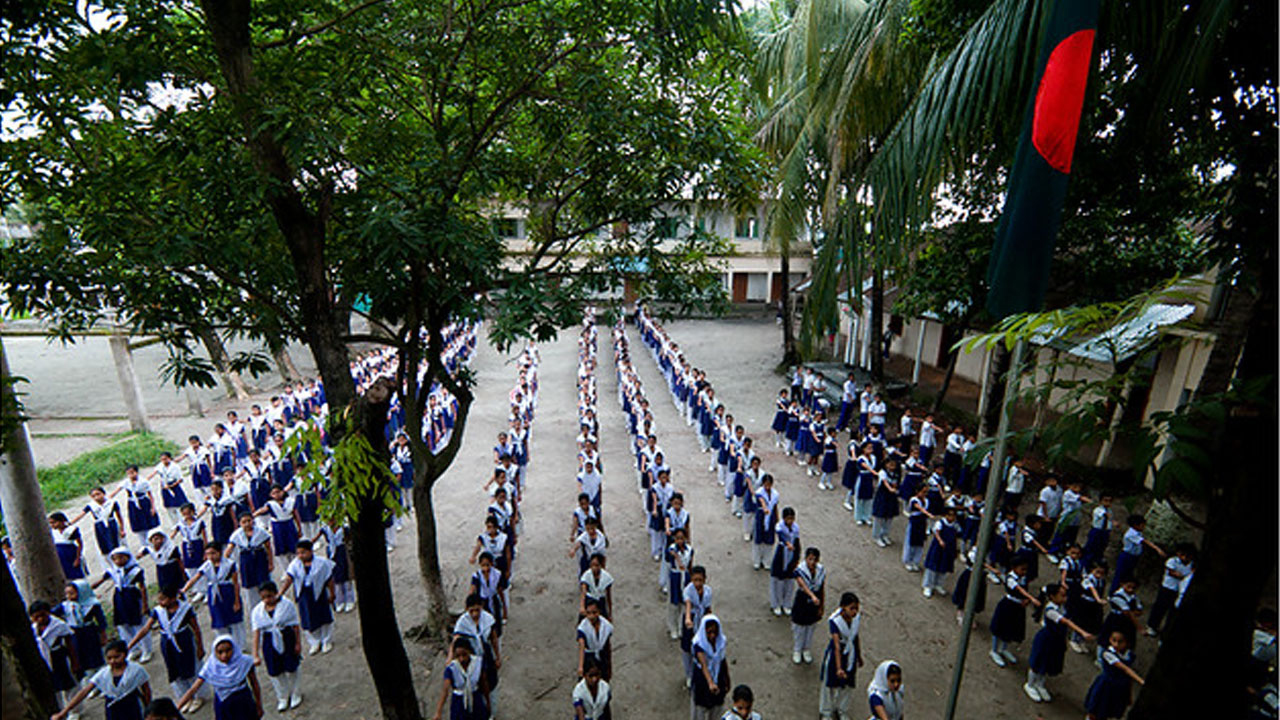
(1046, 592)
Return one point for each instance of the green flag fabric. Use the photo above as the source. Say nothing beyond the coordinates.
(1019, 269)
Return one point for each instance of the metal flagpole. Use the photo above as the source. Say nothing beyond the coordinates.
(994, 482)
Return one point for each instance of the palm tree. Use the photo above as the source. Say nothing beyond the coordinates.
(899, 122)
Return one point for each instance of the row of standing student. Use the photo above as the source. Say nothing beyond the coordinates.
(690, 616)
(236, 570)
(1070, 610)
(470, 681)
(797, 584)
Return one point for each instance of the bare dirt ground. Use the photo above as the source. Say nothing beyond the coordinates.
(538, 647)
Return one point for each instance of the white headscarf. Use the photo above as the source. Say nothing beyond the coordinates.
(167, 550)
(715, 652)
(226, 677)
(123, 576)
(893, 700)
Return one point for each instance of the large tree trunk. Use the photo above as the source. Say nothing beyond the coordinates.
(284, 363)
(998, 368)
(436, 623)
(876, 332)
(325, 331)
(24, 678)
(222, 362)
(790, 355)
(379, 631)
(23, 502)
(1207, 645)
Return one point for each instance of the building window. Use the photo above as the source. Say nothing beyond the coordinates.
(505, 228)
(746, 226)
(666, 227)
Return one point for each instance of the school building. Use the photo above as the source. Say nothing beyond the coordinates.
(750, 273)
(1174, 371)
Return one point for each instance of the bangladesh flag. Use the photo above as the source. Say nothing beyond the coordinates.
(1020, 260)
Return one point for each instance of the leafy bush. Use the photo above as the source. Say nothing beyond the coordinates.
(104, 466)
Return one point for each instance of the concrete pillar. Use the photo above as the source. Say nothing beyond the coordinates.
(1104, 452)
(982, 394)
(123, 357)
(921, 326)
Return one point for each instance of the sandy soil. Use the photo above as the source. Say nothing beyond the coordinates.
(539, 659)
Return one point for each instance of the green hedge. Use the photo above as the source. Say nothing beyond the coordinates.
(104, 466)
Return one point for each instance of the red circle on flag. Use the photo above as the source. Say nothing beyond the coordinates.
(1060, 100)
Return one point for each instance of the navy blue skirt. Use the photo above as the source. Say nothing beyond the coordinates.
(179, 653)
(141, 518)
(885, 503)
(240, 705)
(127, 606)
(108, 536)
(1048, 648)
(314, 614)
(281, 662)
(1009, 621)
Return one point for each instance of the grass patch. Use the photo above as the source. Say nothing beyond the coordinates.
(104, 466)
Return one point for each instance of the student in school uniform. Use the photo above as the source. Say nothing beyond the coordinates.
(953, 453)
(830, 459)
(141, 506)
(465, 685)
(591, 695)
(250, 549)
(779, 424)
(129, 599)
(487, 582)
(656, 504)
(201, 465)
(960, 593)
(677, 518)
(940, 558)
(277, 644)
(169, 476)
(841, 659)
(766, 517)
(168, 559)
(743, 700)
(1131, 551)
(222, 591)
(1086, 608)
(282, 513)
(1003, 544)
(1049, 646)
(192, 535)
(698, 597)
(710, 669)
(1108, 695)
(590, 542)
(792, 433)
(1095, 545)
(596, 584)
(884, 504)
(868, 471)
(1068, 528)
(311, 578)
(56, 643)
(1009, 621)
(236, 693)
(594, 636)
(335, 542)
(1125, 612)
(679, 559)
(782, 569)
(876, 411)
(864, 408)
(1032, 548)
(181, 646)
(108, 523)
(476, 628)
(124, 685)
(884, 692)
(918, 517)
(82, 613)
(221, 507)
(69, 546)
(1176, 568)
(808, 605)
(1049, 508)
(928, 439)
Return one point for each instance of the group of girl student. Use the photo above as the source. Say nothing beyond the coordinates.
(471, 672)
(83, 615)
(129, 598)
(222, 592)
(108, 522)
(494, 554)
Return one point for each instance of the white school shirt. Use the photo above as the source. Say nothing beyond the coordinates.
(592, 706)
(596, 587)
(1133, 541)
(590, 547)
(595, 638)
(1101, 518)
(955, 443)
(864, 401)
(875, 412)
(904, 426)
(1015, 479)
(1070, 503)
(928, 434)
(272, 623)
(1051, 497)
(1172, 565)
(850, 391)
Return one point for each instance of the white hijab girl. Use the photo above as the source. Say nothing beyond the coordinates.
(885, 692)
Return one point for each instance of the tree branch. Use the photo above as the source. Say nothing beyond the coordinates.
(317, 29)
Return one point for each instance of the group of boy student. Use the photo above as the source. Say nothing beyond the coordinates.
(259, 521)
(469, 685)
(943, 501)
(797, 582)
